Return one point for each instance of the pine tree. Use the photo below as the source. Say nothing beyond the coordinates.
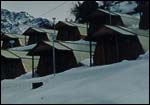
(82, 10)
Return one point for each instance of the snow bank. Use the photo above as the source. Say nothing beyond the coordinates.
(86, 62)
(126, 82)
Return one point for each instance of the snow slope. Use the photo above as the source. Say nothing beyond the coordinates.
(121, 83)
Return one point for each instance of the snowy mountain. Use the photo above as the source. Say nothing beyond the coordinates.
(126, 7)
(17, 22)
(126, 82)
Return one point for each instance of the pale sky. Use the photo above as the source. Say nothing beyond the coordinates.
(41, 8)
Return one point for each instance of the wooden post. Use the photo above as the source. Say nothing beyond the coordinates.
(32, 66)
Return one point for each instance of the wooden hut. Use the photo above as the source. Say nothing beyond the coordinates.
(18, 40)
(64, 57)
(11, 65)
(102, 17)
(39, 34)
(115, 44)
(69, 31)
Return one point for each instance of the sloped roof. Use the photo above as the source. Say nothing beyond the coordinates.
(82, 47)
(46, 45)
(40, 30)
(64, 23)
(13, 36)
(57, 45)
(26, 60)
(139, 32)
(109, 30)
(22, 54)
(66, 45)
(8, 54)
(120, 30)
(107, 12)
(23, 48)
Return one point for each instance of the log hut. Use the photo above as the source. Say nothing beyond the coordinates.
(64, 57)
(114, 44)
(69, 31)
(11, 65)
(39, 34)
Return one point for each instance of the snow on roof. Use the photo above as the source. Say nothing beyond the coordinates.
(111, 13)
(26, 60)
(141, 32)
(82, 46)
(14, 36)
(23, 48)
(21, 54)
(121, 31)
(8, 54)
(46, 45)
(57, 45)
(81, 41)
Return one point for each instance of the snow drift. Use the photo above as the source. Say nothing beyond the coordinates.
(126, 82)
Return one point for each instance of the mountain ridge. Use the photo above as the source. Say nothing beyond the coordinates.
(17, 22)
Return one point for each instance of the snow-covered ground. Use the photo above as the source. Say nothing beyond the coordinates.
(120, 83)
